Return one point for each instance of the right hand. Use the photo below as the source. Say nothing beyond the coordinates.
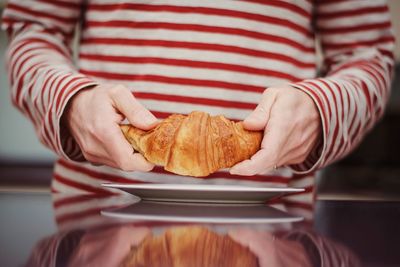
(93, 117)
(271, 251)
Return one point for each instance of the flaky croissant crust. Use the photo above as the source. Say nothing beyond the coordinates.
(196, 144)
(192, 246)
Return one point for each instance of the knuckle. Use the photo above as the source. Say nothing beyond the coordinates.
(265, 94)
(270, 90)
(262, 109)
(117, 89)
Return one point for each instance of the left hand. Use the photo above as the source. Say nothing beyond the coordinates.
(291, 124)
(107, 247)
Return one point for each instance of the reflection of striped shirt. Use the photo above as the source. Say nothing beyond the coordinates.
(78, 215)
(73, 211)
(211, 55)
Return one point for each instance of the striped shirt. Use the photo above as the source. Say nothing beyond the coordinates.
(216, 56)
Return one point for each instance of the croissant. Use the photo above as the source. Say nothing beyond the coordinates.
(195, 145)
(189, 247)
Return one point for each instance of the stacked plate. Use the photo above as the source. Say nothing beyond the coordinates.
(202, 203)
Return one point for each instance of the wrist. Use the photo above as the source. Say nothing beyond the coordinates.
(72, 105)
(66, 133)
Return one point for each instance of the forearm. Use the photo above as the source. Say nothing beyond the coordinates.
(41, 72)
(352, 96)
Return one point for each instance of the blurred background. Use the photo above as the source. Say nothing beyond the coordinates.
(371, 171)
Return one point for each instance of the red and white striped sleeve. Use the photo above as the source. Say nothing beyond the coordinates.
(357, 44)
(39, 62)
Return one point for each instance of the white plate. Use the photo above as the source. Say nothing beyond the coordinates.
(201, 213)
(203, 193)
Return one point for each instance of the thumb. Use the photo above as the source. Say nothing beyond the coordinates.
(133, 110)
(141, 117)
(257, 120)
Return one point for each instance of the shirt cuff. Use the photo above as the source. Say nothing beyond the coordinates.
(316, 158)
(66, 146)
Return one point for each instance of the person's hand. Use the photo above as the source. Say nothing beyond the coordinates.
(271, 251)
(93, 117)
(107, 247)
(291, 124)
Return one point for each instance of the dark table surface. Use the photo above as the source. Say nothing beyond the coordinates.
(40, 229)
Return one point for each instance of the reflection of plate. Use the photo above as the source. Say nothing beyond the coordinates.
(203, 193)
(201, 213)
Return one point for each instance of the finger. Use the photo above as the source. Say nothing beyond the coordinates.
(268, 156)
(134, 111)
(247, 236)
(100, 161)
(141, 164)
(258, 119)
(258, 242)
(252, 166)
(122, 152)
(241, 236)
(140, 235)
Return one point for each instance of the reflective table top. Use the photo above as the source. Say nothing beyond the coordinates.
(40, 229)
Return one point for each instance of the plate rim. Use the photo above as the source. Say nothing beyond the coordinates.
(218, 220)
(202, 187)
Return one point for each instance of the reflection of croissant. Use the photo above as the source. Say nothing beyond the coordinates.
(189, 247)
(194, 145)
